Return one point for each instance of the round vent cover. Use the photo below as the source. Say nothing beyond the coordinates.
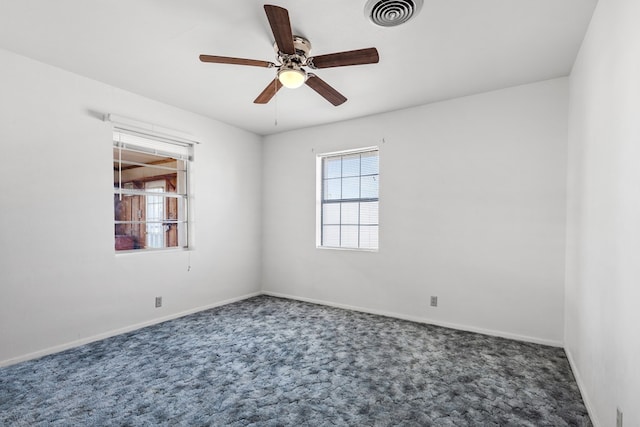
(389, 13)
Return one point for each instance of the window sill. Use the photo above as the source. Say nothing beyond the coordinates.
(336, 248)
(148, 251)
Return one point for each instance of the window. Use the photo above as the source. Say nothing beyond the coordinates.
(150, 192)
(348, 208)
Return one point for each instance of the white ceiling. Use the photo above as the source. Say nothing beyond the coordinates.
(452, 48)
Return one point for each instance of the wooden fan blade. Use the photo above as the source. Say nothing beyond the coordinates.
(268, 92)
(341, 59)
(235, 61)
(326, 91)
(281, 27)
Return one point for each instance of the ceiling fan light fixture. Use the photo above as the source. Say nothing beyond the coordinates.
(292, 54)
(292, 78)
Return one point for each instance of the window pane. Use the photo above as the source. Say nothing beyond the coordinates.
(351, 165)
(149, 221)
(369, 163)
(369, 237)
(155, 215)
(351, 188)
(139, 168)
(349, 236)
(125, 240)
(332, 190)
(331, 213)
(369, 213)
(179, 236)
(332, 167)
(176, 209)
(155, 235)
(129, 208)
(369, 187)
(349, 213)
(331, 235)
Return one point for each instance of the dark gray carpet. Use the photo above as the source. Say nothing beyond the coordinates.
(273, 362)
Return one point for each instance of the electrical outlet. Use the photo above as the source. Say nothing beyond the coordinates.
(434, 301)
(618, 417)
(158, 302)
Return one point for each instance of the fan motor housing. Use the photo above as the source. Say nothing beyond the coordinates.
(302, 47)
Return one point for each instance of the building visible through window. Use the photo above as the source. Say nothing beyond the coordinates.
(150, 193)
(349, 200)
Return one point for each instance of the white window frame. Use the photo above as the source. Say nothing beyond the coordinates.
(133, 135)
(320, 198)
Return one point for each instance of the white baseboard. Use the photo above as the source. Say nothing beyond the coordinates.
(108, 334)
(98, 337)
(112, 333)
(421, 320)
(582, 388)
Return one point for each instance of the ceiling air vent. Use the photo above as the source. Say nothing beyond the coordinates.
(390, 13)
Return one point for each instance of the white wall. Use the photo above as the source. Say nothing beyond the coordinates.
(602, 335)
(472, 209)
(61, 281)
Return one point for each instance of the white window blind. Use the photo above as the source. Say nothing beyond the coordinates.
(129, 140)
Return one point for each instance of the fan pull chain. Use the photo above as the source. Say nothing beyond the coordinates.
(275, 91)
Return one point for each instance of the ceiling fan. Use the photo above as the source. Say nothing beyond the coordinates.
(293, 54)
